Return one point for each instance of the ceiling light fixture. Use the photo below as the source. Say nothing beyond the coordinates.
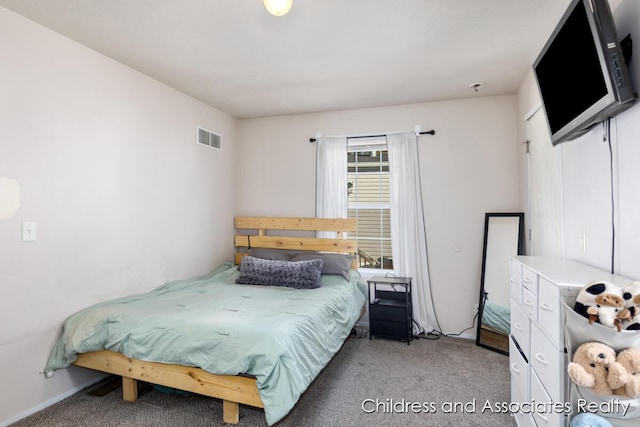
(278, 7)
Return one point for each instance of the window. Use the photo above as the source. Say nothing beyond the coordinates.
(368, 201)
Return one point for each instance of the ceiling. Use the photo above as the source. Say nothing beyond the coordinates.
(324, 55)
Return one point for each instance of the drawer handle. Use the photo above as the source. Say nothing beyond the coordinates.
(526, 279)
(514, 368)
(540, 359)
(517, 326)
(545, 307)
(527, 303)
(514, 280)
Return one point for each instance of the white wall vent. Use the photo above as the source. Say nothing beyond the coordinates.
(208, 138)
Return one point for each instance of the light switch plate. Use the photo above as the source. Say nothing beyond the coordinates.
(28, 231)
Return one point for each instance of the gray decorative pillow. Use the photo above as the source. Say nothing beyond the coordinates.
(299, 275)
(331, 263)
(272, 254)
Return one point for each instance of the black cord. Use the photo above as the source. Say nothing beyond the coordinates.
(437, 334)
(421, 331)
(426, 249)
(607, 138)
(473, 324)
(359, 332)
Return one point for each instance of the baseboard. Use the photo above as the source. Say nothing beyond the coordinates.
(51, 401)
(467, 336)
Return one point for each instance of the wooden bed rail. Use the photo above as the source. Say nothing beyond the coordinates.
(233, 390)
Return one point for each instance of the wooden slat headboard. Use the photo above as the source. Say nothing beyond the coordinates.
(264, 234)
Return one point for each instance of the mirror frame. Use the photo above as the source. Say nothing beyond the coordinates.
(520, 250)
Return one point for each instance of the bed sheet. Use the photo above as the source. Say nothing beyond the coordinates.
(282, 336)
(497, 317)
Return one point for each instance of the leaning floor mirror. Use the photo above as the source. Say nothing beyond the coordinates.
(503, 237)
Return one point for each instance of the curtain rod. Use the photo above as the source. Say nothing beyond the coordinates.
(430, 132)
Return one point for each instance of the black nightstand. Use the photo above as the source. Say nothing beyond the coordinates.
(390, 312)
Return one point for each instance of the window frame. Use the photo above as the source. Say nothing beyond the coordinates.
(370, 145)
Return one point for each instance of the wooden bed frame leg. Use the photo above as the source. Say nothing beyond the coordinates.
(230, 412)
(129, 389)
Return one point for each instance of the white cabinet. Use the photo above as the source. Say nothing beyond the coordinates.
(537, 357)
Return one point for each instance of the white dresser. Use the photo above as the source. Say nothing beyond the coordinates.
(537, 356)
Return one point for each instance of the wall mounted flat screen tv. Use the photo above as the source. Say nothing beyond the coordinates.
(581, 72)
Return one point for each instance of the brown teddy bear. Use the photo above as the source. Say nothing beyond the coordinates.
(624, 377)
(590, 366)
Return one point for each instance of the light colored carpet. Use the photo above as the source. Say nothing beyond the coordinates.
(435, 374)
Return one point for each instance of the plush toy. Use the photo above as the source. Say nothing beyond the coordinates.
(590, 365)
(588, 419)
(626, 381)
(603, 302)
(631, 295)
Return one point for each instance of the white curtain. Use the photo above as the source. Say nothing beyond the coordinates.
(408, 238)
(331, 179)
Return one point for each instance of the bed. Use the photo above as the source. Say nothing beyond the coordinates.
(242, 343)
(496, 317)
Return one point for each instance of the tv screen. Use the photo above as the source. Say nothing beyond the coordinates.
(581, 73)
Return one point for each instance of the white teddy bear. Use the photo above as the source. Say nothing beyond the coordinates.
(631, 295)
(603, 302)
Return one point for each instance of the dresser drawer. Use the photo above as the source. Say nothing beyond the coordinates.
(554, 417)
(549, 312)
(388, 313)
(530, 280)
(520, 328)
(519, 371)
(546, 361)
(389, 329)
(522, 419)
(530, 304)
(515, 280)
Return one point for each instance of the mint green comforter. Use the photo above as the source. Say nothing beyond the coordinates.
(282, 336)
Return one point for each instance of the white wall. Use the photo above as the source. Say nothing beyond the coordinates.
(586, 173)
(123, 198)
(468, 168)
